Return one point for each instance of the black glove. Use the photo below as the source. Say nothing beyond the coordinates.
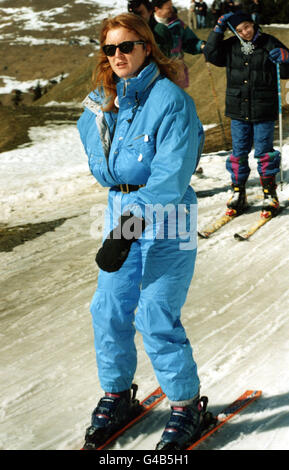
(115, 248)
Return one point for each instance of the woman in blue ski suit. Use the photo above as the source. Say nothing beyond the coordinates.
(143, 142)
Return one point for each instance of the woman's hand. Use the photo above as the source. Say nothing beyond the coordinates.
(116, 247)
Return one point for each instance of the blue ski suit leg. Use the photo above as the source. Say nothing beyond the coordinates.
(113, 310)
(154, 281)
(163, 293)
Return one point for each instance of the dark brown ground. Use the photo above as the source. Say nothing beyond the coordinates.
(14, 236)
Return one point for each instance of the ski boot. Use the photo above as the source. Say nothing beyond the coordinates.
(270, 206)
(185, 425)
(237, 204)
(113, 411)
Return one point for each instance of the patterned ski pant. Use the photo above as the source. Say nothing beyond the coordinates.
(244, 135)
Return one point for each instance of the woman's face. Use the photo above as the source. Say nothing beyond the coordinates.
(126, 65)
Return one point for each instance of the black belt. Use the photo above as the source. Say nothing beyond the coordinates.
(128, 188)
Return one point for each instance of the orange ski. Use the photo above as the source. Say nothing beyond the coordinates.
(226, 414)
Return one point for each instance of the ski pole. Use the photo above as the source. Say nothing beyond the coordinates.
(280, 123)
(235, 32)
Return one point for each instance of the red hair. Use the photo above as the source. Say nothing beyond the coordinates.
(103, 75)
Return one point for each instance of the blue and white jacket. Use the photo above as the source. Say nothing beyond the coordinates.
(155, 139)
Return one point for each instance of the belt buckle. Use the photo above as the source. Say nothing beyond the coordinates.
(126, 190)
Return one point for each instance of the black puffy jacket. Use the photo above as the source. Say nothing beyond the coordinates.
(252, 89)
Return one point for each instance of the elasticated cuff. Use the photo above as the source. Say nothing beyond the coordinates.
(188, 402)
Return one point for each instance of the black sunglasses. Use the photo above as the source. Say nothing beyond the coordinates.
(125, 47)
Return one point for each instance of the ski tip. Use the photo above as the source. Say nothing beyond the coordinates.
(240, 237)
(254, 393)
(232, 213)
(203, 234)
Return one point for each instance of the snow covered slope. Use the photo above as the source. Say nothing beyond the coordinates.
(236, 314)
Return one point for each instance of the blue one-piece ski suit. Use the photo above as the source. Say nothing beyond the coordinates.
(154, 140)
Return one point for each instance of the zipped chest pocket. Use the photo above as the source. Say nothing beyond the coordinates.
(143, 148)
(133, 160)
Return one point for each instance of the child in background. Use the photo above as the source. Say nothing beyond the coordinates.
(251, 103)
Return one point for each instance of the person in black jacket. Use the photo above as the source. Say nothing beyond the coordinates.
(255, 9)
(216, 8)
(228, 6)
(201, 13)
(251, 103)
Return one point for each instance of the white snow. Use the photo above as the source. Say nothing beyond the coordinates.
(236, 314)
(28, 19)
(279, 25)
(11, 84)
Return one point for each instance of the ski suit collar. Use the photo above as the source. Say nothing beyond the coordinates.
(164, 21)
(175, 21)
(139, 84)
